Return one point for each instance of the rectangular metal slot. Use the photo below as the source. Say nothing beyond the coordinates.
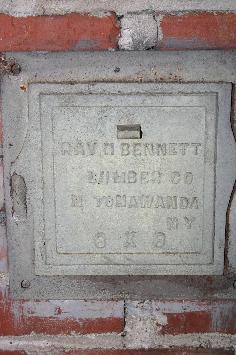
(129, 131)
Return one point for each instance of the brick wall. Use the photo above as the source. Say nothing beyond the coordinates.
(188, 30)
(180, 327)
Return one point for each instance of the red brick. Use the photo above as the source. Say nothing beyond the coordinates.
(224, 317)
(216, 316)
(188, 322)
(162, 351)
(58, 33)
(3, 242)
(198, 31)
(186, 317)
(58, 317)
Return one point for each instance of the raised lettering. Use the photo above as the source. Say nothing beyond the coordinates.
(133, 202)
(94, 148)
(175, 177)
(184, 202)
(130, 241)
(119, 177)
(65, 148)
(98, 201)
(109, 201)
(132, 176)
(79, 148)
(172, 223)
(194, 203)
(91, 147)
(108, 149)
(77, 201)
(183, 147)
(100, 240)
(196, 146)
(161, 149)
(171, 202)
(188, 178)
(120, 200)
(172, 149)
(156, 177)
(159, 239)
(188, 221)
(125, 149)
(159, 202)
(148, 149)
(137, 149)
(146, 201)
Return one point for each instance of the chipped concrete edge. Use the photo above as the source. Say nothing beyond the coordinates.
(232, 233)
(44, 7)
(33, 344)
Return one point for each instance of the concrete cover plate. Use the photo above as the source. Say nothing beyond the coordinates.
(124, 206)
(116, 178)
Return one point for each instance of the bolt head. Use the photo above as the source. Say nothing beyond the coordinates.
(25, 284)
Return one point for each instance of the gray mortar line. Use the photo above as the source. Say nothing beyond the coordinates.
(45, 7)
(116, 341)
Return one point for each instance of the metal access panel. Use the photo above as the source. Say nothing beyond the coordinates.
(112, 178)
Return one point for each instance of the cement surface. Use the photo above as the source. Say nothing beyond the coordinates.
(59, 7)
(136, 338)
(29, 212)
